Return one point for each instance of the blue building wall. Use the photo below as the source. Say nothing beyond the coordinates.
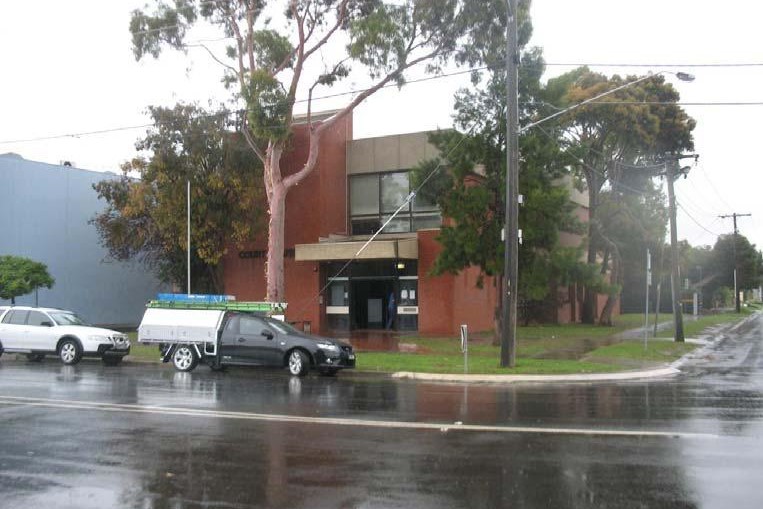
(44, 215)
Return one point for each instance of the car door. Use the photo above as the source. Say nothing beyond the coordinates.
(257, 341)
(230, 346)
(13, 329)
(40, 335)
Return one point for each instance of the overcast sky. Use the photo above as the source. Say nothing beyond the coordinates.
(68, 68)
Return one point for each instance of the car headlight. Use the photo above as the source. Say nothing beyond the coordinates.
(328, 347)
(100, 339)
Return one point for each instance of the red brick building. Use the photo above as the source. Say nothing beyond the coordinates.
(355, 187)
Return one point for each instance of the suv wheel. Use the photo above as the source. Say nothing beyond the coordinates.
(69, 351)
(298, 363)
(184, 358)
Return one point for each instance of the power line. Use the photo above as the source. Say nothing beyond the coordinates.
(297, 101)
(77, 135)
(657, 103)
(713, 187)
(714, 64)
(694, 220)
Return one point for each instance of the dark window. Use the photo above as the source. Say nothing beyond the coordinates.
(17, 317)
(251, 326)
(37, 318)
(375, 197)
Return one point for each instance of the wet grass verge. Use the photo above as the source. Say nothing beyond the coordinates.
(541, 349)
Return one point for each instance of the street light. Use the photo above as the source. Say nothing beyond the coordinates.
(511, 223)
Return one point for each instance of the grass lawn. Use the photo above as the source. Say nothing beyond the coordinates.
(541, 349)
(142, 352)
(693, 328)
(657, 350)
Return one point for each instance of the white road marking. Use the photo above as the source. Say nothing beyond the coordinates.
(369, 423)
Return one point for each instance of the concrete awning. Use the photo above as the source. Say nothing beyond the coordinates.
(407, 249)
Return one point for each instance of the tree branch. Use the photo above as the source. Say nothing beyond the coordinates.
(231, 19)
(315, 135)
(199, 45)
(250, 35)
(340, 17)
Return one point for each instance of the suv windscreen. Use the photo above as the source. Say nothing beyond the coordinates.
(64, 318)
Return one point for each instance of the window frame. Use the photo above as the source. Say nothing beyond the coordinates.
(407, 214)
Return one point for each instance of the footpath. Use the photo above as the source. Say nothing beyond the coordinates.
(707, 340)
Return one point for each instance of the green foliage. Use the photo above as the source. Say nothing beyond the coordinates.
(383, 37)
(20, 276)
(168, 25)
(269, 107)
(145, 219)
(614, 146)
(272, 49)
(474, 204)
(710, 270)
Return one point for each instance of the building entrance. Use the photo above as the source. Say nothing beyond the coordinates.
(370, 303)
(375, 295)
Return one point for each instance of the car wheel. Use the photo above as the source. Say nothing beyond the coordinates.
(112, 360)
(329, 371)
(69, 351)
(35, 357)
(298, 363)
(184, 358)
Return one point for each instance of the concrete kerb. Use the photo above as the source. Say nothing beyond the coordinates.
(708, 340)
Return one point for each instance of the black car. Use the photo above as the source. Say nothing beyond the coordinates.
(250, 340)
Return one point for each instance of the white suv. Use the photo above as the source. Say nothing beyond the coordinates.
(41, 331)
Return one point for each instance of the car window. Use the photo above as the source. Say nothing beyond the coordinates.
(16, 317)
(67, 318)
(282, 327)
(37, 318)
(249, 325)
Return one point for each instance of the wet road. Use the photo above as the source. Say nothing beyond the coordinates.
(143, 436)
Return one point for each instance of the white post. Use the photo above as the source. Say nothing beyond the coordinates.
(646, 306)
(465, 347)
(188, 234)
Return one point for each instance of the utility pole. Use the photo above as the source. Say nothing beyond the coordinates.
(511, 222)
(734, 215)
(675, 288)
(188, 233)
(673, 171)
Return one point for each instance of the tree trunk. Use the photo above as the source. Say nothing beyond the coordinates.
(590, 299)
(613, 252)
(275, 263)
(609, 306)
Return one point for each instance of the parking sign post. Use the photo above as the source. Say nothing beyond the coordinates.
(465, 347)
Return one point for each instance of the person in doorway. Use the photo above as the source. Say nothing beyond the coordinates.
(391, 310)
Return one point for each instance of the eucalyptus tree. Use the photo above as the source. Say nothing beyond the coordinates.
(284, 47)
